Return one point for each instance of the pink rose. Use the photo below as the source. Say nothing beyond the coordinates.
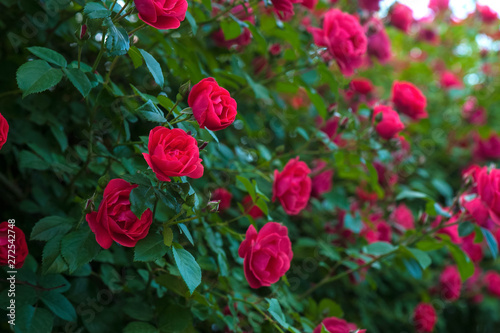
(450, 283)
(361, 86)
(492, 281)
(337, 325)
(321, 179)
(284, 8)
(477, 210)
(379, 44)
(389, 124)
(488, 187)
(310, 4)
(424, 318)
(409, 100)
(487, 15)
(292, 186)
(473, 250)
(450, 80)
(13, 247)
(344, 38)
(439, 5)
(224, 196)
(266, 254)
(403, 217)
(173, 153)
(401, 17)
(162, 14)
(474, 113)
(371, 5)
(251, 208)
(213, 107)
(487, 149)
(4, 130)
(114, 221)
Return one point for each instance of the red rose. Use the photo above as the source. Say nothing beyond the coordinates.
(428, 35)
(450, 80)
(450, 228)
(389, 124)
(4, 130)
(473, 113)
(242, 12)
(379, 232)
(371, 5)
(275, 49)
(492, 281)
(213, 107)
(173, 153)
(402, 17)
(477, 210)
(251, 208)
(488, 187)
(337, 325)
(409, 100)
(379, 44)
(292, 186)
(487, 149)
(424, 318)
(344, 38)
(284, 8)
(114, 221)
(224, 196)
(267, 254)
(487, 15)
(12, 243)
(361, 86)
(450, 283)
(403, 217)
(311, 4)
(473, 250)
(439, 5)
(162, 14)
(321, 179)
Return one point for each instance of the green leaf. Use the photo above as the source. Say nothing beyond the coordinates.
(276, 312)
(230, 28)
(151, 112)
(137, 178)
(141, 198)
(318, 102)
(168, 236)
(154, 67)
(353, 223)
(328, 308)
(422, 258)
(37, 76)
(117, 41)
(96, 10)
(247, 184)
(184, 230)
(79, 80)
(28, 160)
(465, 229)
(48, 55)
(51, 226)
(379, 248)
(492, 242)
(59, 305)
(62, 139)
(79, 247)
(464, 264)
(188, 267)
(30, 319)
(136, 56)
(150, 248)
(52, 260)
(192, 22)
(140, 327)
(408, 194)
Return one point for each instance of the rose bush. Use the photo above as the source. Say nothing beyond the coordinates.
(147, 145)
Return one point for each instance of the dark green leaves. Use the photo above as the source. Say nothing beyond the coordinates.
(37, 76)
(464, 264)
(30, 319)
(154, 67)
(117, 41)
(79, 247)
(141, 198)
(379, 248)
(96, 10)
(48, 55)
(59, 305)
(51, 226)
(151, 112)
(79, 80)
(231, 29)
(150, 248)
(188, 267)
(491, 241)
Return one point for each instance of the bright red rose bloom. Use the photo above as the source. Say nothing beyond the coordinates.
(4, 130)
(114, 221)
(439, 5)
(487, 149)
(321, 179)
(477, 210)
(473, 250)
(224, 196)
(424, 318)
(371, 5)
(409, 100)
(310, 4)
(162, 14)
(292, 186)
(213, 107)
(173, 153)
(389, 124)
(488, 187)
(267, 254)
(362, 86)
(17, 246)
(450, 283)
(344, 38)
(492, 281)
(403, 217)
(284, 8)
(379, 44)
(337, 325)
(251, 208)
(401, 17)
(487, 15)
(450, 80)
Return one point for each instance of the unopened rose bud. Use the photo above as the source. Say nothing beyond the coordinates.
(83, 31)
(203, 145)
(103, 181)
(89, 206)
(185, 89)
